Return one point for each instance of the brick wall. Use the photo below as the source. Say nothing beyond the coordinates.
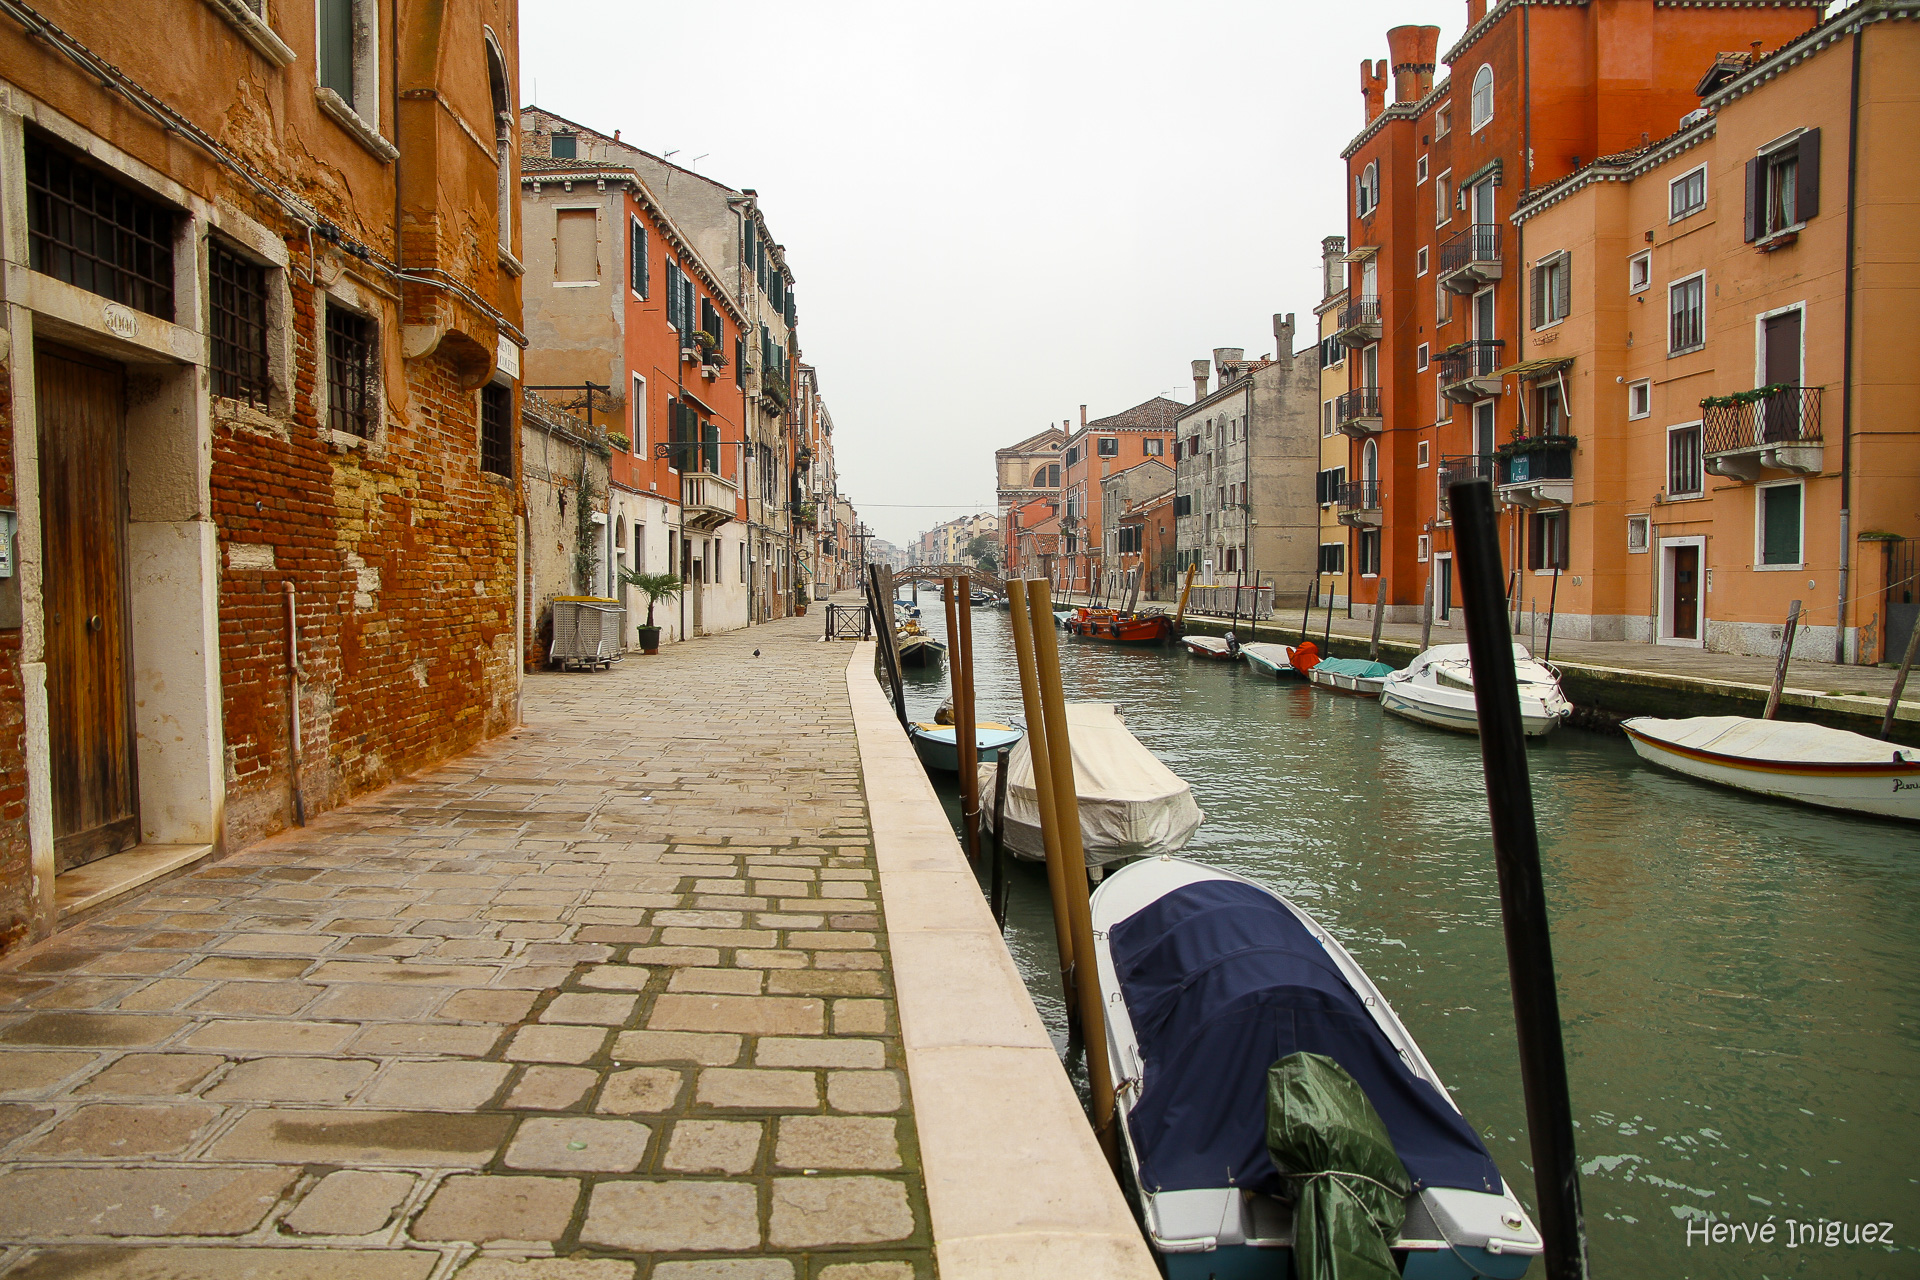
(16, 870)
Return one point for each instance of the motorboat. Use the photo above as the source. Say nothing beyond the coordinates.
(1791, 760)
(1121, 627)
(1350, 675)
(1281, 661)
(938, 749)
(1131, 804)
(1436, 688)
(1213, 984)
(1061, 616)
(917, 648)
(1218, 648)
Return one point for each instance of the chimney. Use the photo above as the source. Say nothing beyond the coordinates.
(1283, 339)
(1373, 87)
(1200, 371)
(1413, 50)
(1223, 356)
(1083, 415)
(1476, 10)
(1332, 273)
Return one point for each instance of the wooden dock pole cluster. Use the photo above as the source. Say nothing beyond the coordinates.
(959, 599)
(880, 604)
(1523, 904)
(1036, 649)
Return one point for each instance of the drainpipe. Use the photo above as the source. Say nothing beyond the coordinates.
(1846, 375)
(294, 672)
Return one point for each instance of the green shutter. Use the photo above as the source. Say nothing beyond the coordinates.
(1780, 528)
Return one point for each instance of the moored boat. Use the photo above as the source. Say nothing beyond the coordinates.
(1121, 627)
(1808, 763)
(918, 649)
(1131, 804)
(1218, 648)
(1209, 982)
(938, 744)
(1281, 661)
(1350, 675)
(1436, 688)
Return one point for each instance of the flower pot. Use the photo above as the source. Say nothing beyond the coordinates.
(800, 611)
(649, 639)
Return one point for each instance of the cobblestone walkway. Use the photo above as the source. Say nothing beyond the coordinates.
(612, 992)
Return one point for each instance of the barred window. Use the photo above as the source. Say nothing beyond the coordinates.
(96, 234)
(496, 429)
(237, 296)
(351, 399)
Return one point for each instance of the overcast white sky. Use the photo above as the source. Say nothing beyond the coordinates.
(997, 212)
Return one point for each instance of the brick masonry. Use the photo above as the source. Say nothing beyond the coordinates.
(615, 988)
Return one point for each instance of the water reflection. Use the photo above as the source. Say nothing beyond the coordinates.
(1737, 976)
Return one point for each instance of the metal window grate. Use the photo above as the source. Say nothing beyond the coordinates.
(350, 398)
(92, 232)
(237, 292)
(496, 430)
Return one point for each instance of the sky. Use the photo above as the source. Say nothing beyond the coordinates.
(997, 212)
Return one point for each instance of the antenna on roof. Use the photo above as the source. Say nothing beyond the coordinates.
(695, 162)
(668, 155)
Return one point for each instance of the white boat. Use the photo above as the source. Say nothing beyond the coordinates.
(1208, 979)
(1809, 763)
(1274, 660)
(1131, 805)
(1436, 688)
(1215, 647)
(1350, 675)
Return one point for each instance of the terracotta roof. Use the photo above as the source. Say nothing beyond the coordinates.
(552, 164)
(1156, 414)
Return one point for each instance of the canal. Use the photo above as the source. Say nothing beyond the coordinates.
(1737, 975)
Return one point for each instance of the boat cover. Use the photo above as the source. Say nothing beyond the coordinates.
(1358, 668)
(1351, 1189)
(1784, 741)
(1131, 805)
(1221, 981)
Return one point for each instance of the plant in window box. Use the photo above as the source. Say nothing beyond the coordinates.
(657, 587)
(1754, 396)
(1536, 458)
(618, 440)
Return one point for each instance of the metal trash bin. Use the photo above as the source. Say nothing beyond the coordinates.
(587, 632)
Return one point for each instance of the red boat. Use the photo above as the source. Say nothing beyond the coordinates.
(1125, 628)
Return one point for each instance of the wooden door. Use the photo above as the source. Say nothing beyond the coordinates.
(1686, 593)
(83, 511)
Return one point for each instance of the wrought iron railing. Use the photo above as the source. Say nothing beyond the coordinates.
(1363, 402)
(1469, 466)
(1478, 243)
(1361, 311)
(1360, 495)
(1542, 461)
(1788, 416)
(1477, 359)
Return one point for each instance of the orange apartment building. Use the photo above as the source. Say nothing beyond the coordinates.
(1097, 450)
(1723, 403)
(1436, 312)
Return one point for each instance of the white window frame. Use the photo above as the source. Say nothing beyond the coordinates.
(637, 419)
(1420, 261)
(1421, 453)
(1673, 217)
(1701, 276)
(1443, 119)
(1420, 358)
(1644, 524)
(1666, 463)
(1422, 546)
(1366, 190)
(1760, 527)
(1482, 96)
(1443, 197)
(1419, 171)
(1326, 419)
(1641, 264)
(1644, 386)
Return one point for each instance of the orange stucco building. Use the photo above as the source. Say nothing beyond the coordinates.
(1437, 304)
(1099, 449)
(1721, 332)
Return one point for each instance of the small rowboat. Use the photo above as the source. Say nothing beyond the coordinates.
(1123, 628)
(1436, 688)
(1211, 981)
(1213, 647)
(1350, 675)
(918, 649)
(1809, 763)
(1277, 660)
(937, 744)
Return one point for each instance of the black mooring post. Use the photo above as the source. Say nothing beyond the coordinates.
(1523, 904)
(997, 887)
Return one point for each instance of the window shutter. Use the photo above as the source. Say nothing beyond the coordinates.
(1563, 288)
(1806, 196)
(1538, 290)
(1756, 197)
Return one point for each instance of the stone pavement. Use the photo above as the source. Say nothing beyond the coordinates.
(606, 999)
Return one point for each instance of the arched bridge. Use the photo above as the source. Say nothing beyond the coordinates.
(935, 572)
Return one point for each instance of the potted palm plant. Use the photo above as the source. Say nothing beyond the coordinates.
(658, 587)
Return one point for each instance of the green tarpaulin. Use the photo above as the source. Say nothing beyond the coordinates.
(1332, 1149)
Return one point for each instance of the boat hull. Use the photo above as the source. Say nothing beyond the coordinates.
(1449, 714)
(939, 750)
(1212, 648)
(1359, 686)
(1274, 660)
(1885, 790)
(1121, 628)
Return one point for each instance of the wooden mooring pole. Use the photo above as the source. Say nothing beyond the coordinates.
(1426, 610)
(966, 736)
(1780, 668)
(1024, 610)
(1900, 681)
(1523, 904)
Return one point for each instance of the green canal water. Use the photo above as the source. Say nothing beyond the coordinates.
(1737, 976)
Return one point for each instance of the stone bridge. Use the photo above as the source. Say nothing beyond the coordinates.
(934, 572)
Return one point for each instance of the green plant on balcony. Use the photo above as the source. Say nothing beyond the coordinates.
(806, 513)
(1523, 445)
(618, 439)
(1754, 396)
(704, 340)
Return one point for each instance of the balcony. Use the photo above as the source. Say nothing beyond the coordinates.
(1359, 323)
(1469, 466)
(1469, 371)
(1470, 261)
(1537, 472)
(1774, 427)
(1360, 504)
(707, 501)
(1357, 413)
